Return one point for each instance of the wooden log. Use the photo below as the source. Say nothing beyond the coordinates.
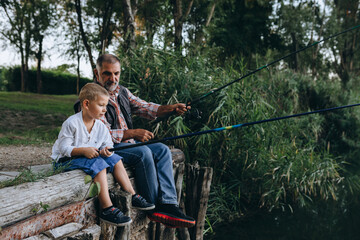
(21, 205)
(80, 212)
(198, 182)
(25, 200)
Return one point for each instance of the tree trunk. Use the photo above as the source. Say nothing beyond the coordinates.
(348, 16)
(82, 32)
(22, 70)
(105, 28)
(38, 70)
(296, 56)
(199, 37)
(129, 26)
(78, 72)
(178, 24)
(179, 19)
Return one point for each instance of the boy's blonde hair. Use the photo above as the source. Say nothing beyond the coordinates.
(91, 91)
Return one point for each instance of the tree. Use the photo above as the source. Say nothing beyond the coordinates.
(241, 29)
(43, 18)
(179, 18)
(83, 34)
(345, 15)
(74, 47)
(17, 30)
(129, 24)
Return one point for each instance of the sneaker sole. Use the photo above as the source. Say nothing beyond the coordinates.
(148, 208)
(170, 221)
(116, 224)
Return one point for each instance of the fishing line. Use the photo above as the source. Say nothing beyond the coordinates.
(254, 71)
(231, 127)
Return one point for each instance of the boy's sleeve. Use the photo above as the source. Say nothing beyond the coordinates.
(66, 139)
(107, 140)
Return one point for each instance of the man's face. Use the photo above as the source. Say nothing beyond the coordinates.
(108, 76)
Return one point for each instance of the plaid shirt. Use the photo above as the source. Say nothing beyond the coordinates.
(138, 107)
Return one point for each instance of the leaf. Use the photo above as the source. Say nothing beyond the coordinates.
(94, 189)
(87, 179)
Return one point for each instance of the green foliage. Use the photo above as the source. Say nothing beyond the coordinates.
(94, 188)
(87, 179)
(26, 175)
(233, 29)
(54, 82)
(43, 208)
(288, 165)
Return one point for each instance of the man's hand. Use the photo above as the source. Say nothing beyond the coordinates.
(141, 135)
(105, 152)
(88, 152)
(179, 108)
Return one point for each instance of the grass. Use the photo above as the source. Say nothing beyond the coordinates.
(29, 118)
(40, 103)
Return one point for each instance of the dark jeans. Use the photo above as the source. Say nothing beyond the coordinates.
(153, 170)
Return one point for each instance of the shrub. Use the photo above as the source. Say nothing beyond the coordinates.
(286, 165)
(54, 82)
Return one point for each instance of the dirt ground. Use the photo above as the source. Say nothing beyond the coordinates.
(15, 157)
(18, 157)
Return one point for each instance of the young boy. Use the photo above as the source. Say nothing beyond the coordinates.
(83, 143)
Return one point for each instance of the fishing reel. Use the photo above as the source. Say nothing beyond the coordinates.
(193, 114)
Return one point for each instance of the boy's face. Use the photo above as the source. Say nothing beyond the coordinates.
(97, 108)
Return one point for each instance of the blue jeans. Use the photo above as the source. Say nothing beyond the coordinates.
(153, 171)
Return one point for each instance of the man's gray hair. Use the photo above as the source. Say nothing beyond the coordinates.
(108, 58)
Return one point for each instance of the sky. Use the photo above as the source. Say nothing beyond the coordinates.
(10, 57)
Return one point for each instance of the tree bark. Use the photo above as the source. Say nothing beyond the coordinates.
(82, 32)
(129, 26)
(179, 19)
(105, 28)
(38, 69)
(78, 71)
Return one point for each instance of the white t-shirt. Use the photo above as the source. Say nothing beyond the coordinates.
(73, 134)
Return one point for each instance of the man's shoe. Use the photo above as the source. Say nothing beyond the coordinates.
(171, 216)
(139, 202)
(115, 217)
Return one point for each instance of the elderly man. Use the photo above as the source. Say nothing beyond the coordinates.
(153, 162)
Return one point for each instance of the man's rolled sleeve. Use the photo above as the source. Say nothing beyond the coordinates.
(142, 108)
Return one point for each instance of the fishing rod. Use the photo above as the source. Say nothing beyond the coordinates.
(196, 112)
(231, 127)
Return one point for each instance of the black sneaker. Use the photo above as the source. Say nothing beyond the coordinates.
(171, 216)
(115, 217)
(139, 202)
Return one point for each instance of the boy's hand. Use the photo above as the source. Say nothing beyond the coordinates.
(105, 152)
(90, 152)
